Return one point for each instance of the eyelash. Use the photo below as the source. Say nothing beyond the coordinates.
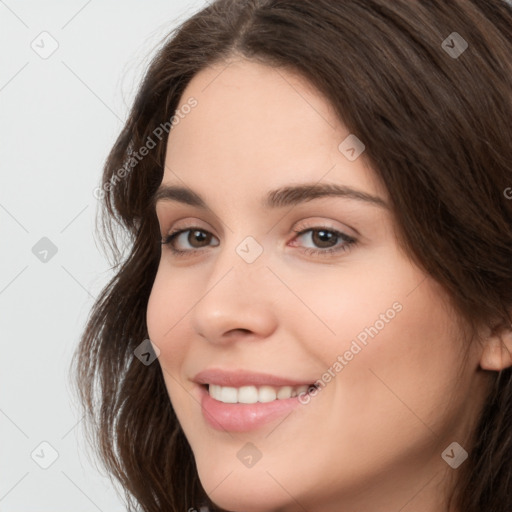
(348, 241)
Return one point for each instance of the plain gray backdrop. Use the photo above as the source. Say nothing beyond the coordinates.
(68, 74)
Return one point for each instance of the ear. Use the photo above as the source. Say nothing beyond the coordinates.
(497, 349)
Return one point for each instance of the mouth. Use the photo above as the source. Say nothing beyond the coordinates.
(243, 400)
(255, 394)
(249, 408)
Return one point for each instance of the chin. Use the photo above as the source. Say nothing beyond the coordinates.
(245, 491)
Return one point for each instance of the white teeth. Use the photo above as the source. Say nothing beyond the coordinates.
(253, 394)
(266, 394)
(284, 392)
(248, 395)
(228, 395)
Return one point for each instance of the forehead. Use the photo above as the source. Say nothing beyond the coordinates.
(259, 124)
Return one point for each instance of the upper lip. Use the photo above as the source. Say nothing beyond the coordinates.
(238, 378)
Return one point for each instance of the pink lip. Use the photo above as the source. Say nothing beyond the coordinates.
(240, 378)
(242, 417)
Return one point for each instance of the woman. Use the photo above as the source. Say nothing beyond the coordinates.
(320, 260)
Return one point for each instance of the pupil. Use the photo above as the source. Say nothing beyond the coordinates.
(324, 238)
(197, 237)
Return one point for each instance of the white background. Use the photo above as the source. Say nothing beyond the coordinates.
(59, 117)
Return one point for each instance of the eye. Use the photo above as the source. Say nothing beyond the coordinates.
(183, 241)
(323, 240)
(320, 240)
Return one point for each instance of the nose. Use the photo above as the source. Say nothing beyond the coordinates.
(236, 304)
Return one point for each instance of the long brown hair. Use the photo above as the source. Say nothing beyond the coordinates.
(437, 128)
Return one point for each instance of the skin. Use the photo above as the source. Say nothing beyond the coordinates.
(372, 438)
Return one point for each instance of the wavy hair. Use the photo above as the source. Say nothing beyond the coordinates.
(438, 132)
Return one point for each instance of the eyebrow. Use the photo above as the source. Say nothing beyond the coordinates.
(279, 198)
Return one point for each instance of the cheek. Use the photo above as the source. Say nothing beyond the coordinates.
(337, 309)
(389, 339)
(156, 311)
(406, 373)
(166, 316)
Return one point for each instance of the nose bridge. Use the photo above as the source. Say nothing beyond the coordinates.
(242, 260)
(237, 294)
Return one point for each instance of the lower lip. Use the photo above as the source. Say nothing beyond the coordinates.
(243, 417)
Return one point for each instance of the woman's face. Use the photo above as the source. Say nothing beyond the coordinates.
(280, 285)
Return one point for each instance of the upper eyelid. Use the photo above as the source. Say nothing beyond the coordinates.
(169, 216)
(175, 230)
(167, 206)
(191, 223)
(314, 224)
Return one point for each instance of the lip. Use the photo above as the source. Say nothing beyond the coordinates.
(243, 417)
(238, 378)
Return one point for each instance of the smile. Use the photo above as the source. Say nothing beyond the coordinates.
(249, 407)
(254, 394)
